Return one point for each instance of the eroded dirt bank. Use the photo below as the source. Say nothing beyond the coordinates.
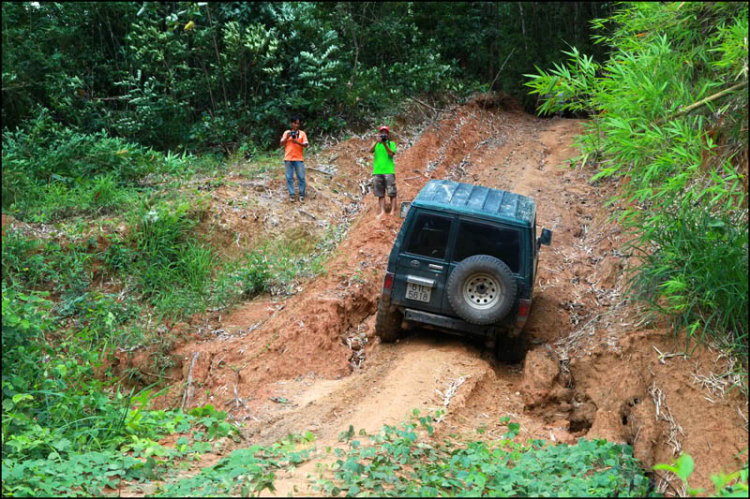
(594, 368)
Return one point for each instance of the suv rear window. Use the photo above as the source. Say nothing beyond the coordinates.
(481, 239)
(429, 236)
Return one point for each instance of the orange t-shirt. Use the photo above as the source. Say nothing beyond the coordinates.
(294, 152)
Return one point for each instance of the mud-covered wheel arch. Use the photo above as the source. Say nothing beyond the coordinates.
(388, 323)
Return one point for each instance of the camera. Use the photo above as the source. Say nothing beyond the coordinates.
(383, 138)
(294, 134)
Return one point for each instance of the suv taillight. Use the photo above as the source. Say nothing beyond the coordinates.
(388, 285)
(524, 306)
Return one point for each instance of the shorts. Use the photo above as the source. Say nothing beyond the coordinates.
(382, 183)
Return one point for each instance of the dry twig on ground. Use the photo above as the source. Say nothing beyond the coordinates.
(189, 388)
(451, 390)
(660, 400)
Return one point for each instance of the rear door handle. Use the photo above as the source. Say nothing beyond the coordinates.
(435, 267)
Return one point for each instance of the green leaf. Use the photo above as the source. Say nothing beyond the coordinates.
(61, 445)
(684, 466)
(19, 397)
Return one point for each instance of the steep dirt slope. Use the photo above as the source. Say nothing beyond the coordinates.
(594, 368)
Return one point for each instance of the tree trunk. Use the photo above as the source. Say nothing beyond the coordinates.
(218, 59)
(523, 27)
(352, 27)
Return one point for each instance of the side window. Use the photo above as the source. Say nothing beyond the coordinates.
(481, 239)
(429, 235)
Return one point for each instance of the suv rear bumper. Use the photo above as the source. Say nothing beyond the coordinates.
(457, 326)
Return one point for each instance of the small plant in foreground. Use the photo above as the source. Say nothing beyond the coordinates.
(726, 485)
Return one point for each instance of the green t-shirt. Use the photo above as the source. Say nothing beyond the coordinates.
(383, 161)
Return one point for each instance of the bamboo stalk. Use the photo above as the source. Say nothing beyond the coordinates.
(218, 59)
(701, 102)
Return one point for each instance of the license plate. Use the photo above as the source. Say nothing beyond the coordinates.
(418, 292)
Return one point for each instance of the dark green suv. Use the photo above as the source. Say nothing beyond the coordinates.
(464, 262)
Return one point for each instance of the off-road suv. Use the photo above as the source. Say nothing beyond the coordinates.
(464, 262)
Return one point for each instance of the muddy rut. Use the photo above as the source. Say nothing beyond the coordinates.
(594, 367)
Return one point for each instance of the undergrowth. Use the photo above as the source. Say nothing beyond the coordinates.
(112, 444)
(725, 484)
(51, 172)
(408, 460)
(404, 461)
(124, 256)
(279, 266)
(244, 472)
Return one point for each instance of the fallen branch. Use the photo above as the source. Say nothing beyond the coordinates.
(237, 399)
(668, 482)
(420, 102)
(185, 395)
(481, 120)
(501, 68)
(320, 171)
(660, 399)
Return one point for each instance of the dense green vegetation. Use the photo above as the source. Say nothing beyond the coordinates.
(107, 446)
(63, 409)
(111, 109)
(669, 113)
(219, 76)
(403, 462)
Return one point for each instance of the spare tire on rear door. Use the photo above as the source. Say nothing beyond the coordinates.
(482, 289)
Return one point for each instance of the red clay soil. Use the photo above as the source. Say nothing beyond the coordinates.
(595, 367)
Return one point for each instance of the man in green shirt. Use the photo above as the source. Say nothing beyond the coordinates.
(384, 171)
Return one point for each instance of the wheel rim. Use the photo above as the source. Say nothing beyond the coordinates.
(482, 291)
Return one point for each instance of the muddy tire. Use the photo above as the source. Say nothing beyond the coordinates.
(482, 289)
(388, 323)
(510, 349)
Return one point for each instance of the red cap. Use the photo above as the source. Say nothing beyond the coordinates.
(383, 128)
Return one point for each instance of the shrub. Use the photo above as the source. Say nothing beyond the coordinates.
(256, 275)
(683, 204)
(400, 462)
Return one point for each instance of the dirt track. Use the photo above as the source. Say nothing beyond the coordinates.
(593, 368)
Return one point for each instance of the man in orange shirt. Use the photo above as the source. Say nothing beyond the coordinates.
(294, 142)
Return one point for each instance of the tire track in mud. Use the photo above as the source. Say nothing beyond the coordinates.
(589, 370)
(305, 337)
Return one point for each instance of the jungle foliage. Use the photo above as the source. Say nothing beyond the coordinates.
(111, 109)
(669, 114)
(214, 76)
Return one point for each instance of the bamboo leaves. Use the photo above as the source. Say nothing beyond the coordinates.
(650, 123)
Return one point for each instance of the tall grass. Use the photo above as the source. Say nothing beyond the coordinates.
(698, 270)
(172, 267)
